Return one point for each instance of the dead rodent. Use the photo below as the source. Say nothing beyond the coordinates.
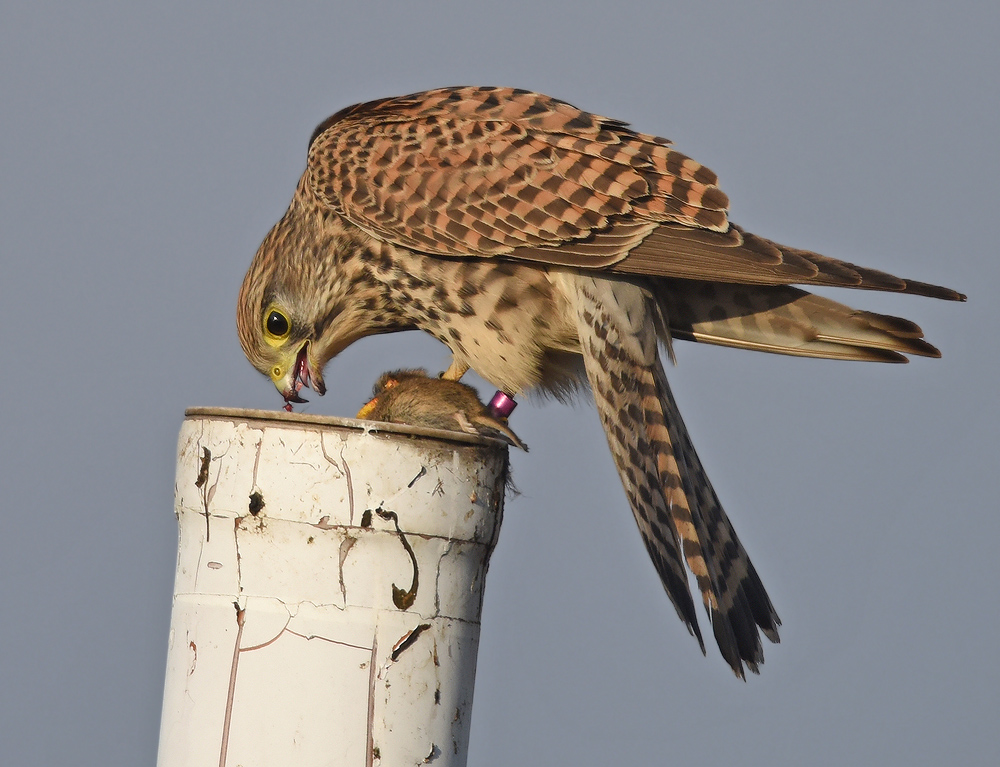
(412, 397)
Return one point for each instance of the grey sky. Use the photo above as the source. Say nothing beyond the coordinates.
(146, 150)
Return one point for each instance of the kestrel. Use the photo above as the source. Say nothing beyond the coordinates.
(549, 248)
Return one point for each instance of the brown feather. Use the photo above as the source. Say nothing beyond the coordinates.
(547, 246)
(502, 172)
(785, 320)
(677, 511)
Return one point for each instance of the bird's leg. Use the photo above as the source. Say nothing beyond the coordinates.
(455, 370)
(502, 404)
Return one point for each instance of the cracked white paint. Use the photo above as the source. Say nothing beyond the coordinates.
(286, 646)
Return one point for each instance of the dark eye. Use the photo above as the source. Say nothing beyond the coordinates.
(277, 324)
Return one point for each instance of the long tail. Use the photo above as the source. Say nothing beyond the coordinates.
(731, 589)
(785, 320)
(678, 513)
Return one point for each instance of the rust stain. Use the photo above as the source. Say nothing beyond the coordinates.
(202, 484)
(345, 469)
(206, 459)
(402, 599)
(345, 548)
(256, 503)
(370, 749)
(227, 721)
(406, 641)
(350, 488)
(239, 557)
(421, 473)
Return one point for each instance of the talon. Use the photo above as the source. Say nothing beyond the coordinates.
(364, 412)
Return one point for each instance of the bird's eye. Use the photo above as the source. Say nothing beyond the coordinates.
(277, 324)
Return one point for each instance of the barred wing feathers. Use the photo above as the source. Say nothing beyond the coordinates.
(501, 172)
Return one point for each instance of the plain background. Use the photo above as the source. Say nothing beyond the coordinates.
(146, 150)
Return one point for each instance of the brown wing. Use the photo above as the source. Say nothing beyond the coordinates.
(506, 172)
(485, 171)
(742, 257)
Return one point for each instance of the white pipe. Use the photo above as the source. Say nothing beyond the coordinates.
(329, 583)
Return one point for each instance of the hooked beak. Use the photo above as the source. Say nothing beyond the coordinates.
(301, 375)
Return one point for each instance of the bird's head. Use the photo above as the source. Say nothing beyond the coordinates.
(302, 303)
(278, 334)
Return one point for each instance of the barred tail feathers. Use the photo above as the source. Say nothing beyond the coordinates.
(740, 602)
(785, 320)
(674, 505)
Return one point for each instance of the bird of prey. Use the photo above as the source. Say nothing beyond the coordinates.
(412, 397)
(551, 248)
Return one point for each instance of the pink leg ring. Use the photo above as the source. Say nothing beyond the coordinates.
(502, 405)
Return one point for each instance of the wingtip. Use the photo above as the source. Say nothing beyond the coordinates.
(933, 291)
